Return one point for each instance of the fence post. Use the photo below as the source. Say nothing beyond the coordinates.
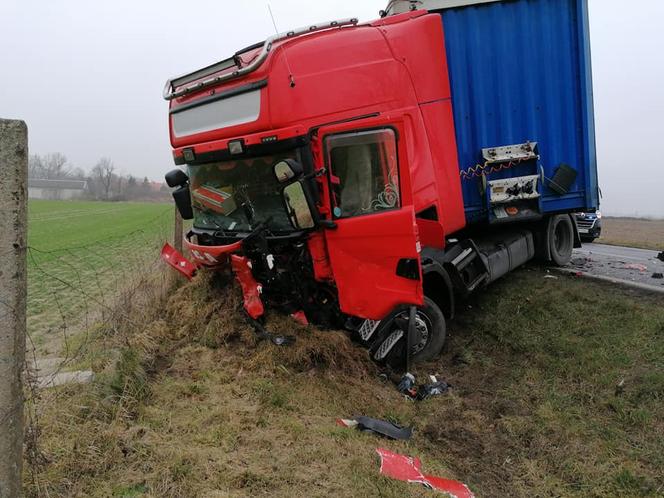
(178, 233)
(13, 290)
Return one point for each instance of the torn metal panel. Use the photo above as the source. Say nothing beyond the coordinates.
(405, 468)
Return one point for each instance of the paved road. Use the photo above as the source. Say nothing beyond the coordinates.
(625, 263)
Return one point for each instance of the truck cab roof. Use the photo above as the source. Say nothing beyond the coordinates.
(308, 77)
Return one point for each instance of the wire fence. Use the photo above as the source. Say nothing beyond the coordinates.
(74, 295)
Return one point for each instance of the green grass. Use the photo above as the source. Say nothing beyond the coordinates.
(81, 254)
(58, 225)
(558, 390)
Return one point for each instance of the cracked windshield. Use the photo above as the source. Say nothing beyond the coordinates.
(238, 194)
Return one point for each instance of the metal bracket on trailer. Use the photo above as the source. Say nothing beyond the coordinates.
(509, 153)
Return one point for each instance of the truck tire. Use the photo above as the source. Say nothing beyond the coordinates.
(430, 334)
(561, 239)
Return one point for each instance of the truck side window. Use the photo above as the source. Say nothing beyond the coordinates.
(363, 172)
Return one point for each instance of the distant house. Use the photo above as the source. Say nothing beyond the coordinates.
(56, 189)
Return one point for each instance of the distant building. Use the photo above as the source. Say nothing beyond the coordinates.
(56, 189)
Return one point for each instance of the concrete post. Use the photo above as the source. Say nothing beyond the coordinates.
(13, 289)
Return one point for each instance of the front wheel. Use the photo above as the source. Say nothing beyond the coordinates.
(428, 340)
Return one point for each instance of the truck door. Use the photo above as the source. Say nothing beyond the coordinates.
(374, 249)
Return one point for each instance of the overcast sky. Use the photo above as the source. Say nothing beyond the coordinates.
(87, 77)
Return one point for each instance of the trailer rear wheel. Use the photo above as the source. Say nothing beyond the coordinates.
(561, 239)
(430, 333)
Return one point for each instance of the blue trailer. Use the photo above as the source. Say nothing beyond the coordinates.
(520, 73)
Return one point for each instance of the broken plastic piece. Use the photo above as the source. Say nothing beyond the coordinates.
(176, 260)
(300, 317)
(383, 428)
(436, 388)
(348, 423)
(250, 288)
(405, 468)
(407, 385)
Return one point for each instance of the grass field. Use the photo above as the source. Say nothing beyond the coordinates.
(81, 254)
(633, 232)
(558, 390)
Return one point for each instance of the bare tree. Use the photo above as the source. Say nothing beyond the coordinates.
(56, 165)
(36, 167)
(51, 166)
(78, 173)
(103, 172)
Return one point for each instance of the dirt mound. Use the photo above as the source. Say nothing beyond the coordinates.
(208, 311)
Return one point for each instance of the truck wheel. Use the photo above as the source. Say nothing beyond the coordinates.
(430, 332)
(561, 239)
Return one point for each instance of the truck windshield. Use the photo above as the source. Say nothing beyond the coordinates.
(238, 194)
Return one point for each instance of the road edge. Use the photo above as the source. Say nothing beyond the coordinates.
(612, 280)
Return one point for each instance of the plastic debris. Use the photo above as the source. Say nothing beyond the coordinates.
(177, 261)
(251, 289)
(551, 277)
(436, 388)
(387, 429)
(407, 385)
(300, 318)
(635, 266)
(405, 468)
(348, 423)
(660, 256)
(658, 275)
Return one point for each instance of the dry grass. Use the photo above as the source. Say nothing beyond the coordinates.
(191, 405)
(633, 232)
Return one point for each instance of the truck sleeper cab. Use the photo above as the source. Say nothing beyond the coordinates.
(328, 161)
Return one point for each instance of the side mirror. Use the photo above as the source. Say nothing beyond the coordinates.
(298, 205)
(181, 196)
(287, 169)
(182, 199)
(176, 178)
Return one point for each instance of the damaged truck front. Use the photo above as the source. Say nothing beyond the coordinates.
(331, 168)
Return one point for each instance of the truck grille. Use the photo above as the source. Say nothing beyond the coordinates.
(585, 224)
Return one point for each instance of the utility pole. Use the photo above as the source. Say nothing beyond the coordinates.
(13, 291)
(178, 231)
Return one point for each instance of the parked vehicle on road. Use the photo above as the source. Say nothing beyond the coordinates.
(353, 171)
(589, 225)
